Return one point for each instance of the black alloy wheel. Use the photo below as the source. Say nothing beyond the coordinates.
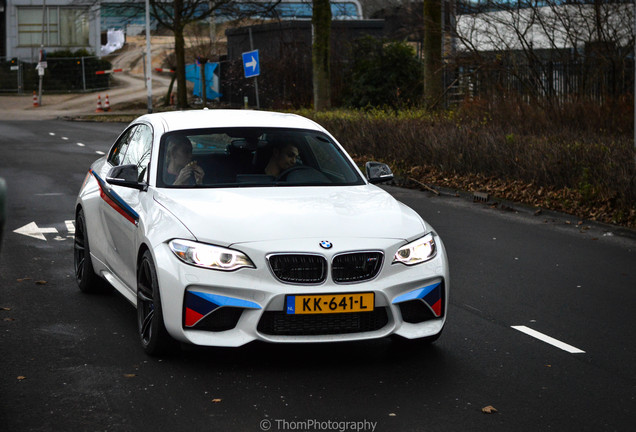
(154, 337)
(87, 280)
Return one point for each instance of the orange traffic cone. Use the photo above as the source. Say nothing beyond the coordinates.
(106, 104)
(99, 104)
(35, 100)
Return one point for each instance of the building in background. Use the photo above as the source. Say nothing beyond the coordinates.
(122, 15)
(68, 25)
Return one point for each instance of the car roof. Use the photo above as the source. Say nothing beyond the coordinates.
(212, 118)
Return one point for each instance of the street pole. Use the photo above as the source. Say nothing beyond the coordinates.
(83, 75)
(41, 74)
(148, 58)
(258, 103)
(204, 96)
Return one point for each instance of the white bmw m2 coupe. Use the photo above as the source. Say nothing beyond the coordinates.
(224, 226)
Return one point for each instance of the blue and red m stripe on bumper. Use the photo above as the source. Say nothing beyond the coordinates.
(431, 295)
(198, 305)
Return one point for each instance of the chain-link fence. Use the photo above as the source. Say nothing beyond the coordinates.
(62, 75)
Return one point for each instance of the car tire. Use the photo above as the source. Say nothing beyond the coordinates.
(153, 335)
(87, 280)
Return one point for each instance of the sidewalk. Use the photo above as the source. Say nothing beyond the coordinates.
(128, 89)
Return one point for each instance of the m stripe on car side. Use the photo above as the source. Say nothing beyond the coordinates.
(115, 201)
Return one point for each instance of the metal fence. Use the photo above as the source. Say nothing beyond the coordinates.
(552, 81)
(62, 75)
(287, 83)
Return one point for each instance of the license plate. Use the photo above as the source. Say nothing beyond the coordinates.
(330, 303)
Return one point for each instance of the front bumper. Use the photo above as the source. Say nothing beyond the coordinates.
(215, 308)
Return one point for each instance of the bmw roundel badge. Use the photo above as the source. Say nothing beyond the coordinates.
(325, 244)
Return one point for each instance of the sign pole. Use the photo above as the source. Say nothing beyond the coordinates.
(258, 104)
(40, 69)
(148, 58)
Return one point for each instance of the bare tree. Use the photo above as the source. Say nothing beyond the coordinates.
(176, 15)
(321, 20)
(432, 52)
(528, 33)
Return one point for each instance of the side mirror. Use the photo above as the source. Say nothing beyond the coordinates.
(378, 172)
(125, 176)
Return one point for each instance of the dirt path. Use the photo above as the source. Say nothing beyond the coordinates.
(126, 88)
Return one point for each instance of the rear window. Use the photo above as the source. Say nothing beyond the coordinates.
(244, 157)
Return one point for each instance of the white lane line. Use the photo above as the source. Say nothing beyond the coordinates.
(64, 138)
(81, 144)
(70, 226)
(548, 339)
(100, 152)
(52, 133)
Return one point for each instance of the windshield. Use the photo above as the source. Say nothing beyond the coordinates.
(239, 157)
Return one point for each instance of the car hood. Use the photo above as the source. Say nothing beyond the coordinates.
(239, 215)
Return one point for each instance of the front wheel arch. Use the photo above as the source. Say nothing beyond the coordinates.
(85, 276)
(154, 338)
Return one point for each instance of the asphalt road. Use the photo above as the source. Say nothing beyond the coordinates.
(72, 362)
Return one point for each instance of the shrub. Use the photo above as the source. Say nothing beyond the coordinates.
(592, 166)
(384, 75)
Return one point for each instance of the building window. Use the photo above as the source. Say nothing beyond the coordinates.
(64, 27)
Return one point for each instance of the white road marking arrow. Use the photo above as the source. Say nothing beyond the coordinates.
(252, 64)
(32, 230)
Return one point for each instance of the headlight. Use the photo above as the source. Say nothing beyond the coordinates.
(416, 252)
(208, 256)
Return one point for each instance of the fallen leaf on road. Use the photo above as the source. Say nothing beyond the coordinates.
(392, 415)
(5, 309)
(489, 409)
(9, 319)
(23, 279)
(216, 400)
(129, 375)
(40, 282)
(20, 378)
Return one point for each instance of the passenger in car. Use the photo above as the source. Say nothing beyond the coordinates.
(180, 168)
(284, 156)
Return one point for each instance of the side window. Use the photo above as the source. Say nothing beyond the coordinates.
(118, 151)
(139, 147)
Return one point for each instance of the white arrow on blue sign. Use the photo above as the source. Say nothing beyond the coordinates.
(251, 66)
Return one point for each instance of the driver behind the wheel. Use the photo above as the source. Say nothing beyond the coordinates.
(180, 168)
(284, 156)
